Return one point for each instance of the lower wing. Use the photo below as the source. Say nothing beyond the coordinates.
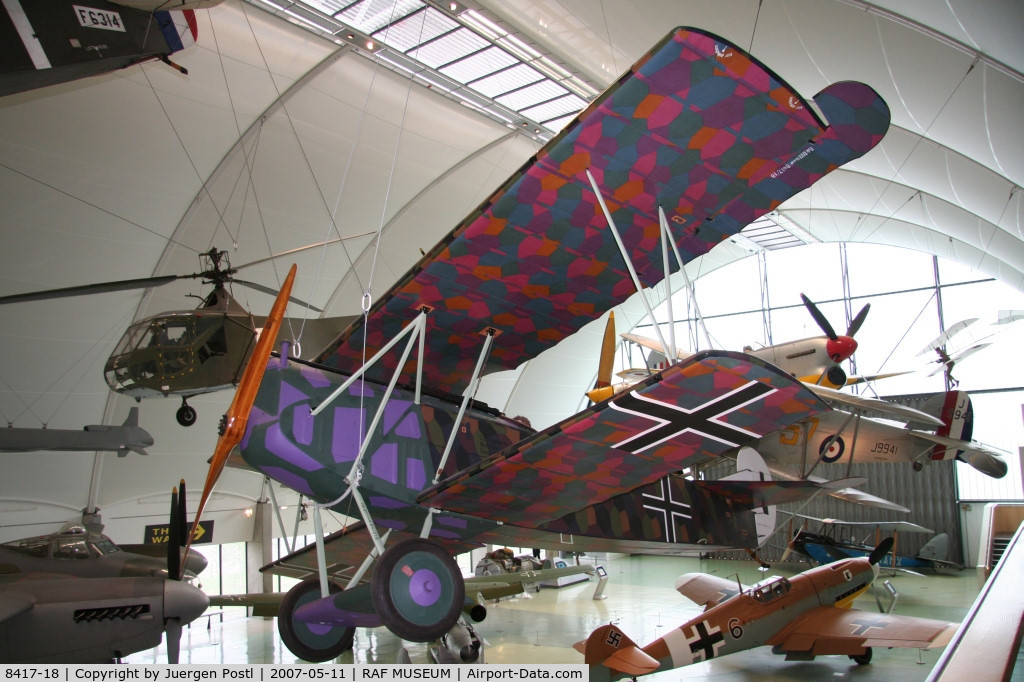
(828, 630)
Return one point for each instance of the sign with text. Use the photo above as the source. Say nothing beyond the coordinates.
(158, 534)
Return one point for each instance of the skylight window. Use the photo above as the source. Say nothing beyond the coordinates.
(514, 81)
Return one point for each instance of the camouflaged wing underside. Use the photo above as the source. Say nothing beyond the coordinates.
(691, 412)
(697, 127)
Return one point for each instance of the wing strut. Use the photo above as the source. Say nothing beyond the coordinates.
(416, 332)
(686, 279)
(670, 352)
(416, 329)
(470, 391)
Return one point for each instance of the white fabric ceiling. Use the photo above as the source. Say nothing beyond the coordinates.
(275, 130)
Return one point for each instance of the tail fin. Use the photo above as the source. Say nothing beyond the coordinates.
(936, 549)
(750, 466)
(608, 646)
(957, 414)
(133, 417)
(136, 438)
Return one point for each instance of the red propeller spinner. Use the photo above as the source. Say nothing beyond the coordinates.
(839, 348)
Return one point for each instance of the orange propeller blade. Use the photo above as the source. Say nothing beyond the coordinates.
(237, 416)
(604, 370)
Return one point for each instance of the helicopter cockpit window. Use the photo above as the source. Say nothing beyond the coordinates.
(216, 342)
(170, 332)
(136, 335)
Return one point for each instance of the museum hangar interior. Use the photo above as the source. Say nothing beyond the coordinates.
(338, 126)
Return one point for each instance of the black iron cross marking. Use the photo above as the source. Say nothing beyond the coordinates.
(727, 593)
(674, 420)
(862, 625)
(705, 641)
(669, 508)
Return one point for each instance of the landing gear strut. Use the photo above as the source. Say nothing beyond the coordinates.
(186, 415)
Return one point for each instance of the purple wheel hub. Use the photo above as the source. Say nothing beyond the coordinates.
(425, 587)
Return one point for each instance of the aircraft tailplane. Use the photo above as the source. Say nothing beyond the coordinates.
(608, 649)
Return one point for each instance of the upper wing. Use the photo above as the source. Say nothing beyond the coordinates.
(707, 590)
(697, 127)
(882, 526)
(872, 407)
(694, 410)
(828, 630)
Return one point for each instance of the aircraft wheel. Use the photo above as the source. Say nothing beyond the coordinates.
(418, 590)
(864, 658)
(186, 415)
(917, 466)
(313, 643)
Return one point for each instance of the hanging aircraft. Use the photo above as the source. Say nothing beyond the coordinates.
(815, 360)
(189, 352)
(74, 597)
(695, 141)
(861, 430)
(74, 550)
(834, 540)
(851, 432)
(969, 340)
(58, 41)
(802, 617)
(129, 437)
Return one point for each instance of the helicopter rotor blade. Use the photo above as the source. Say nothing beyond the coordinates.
(819, 318)
(237, 417)
(273, 292)
(299, 249)
(87, 289)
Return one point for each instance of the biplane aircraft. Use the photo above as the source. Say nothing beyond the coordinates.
(834, 539)
(863, 430)
(802, 617)
(45, 43)
(692, 143)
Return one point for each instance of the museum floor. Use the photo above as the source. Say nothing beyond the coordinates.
(540, 627)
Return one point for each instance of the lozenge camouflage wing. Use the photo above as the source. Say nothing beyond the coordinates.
(691, 412)
(697, 126)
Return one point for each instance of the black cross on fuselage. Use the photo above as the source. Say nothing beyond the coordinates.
(704, 641)
(670, 509)
(703, 419)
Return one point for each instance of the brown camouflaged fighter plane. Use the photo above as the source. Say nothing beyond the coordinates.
(802, 617)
